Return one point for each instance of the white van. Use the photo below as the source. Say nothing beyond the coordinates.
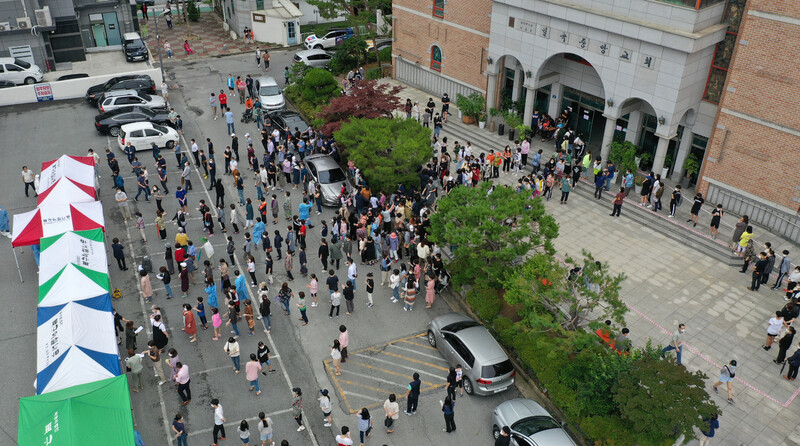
(18, 71)
(270, 94)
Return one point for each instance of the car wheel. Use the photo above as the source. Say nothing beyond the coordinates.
(495, 432)
(170, 144)
(113, 131)
(30, 80)
(431, 338)
(467, 385)
(317, 47)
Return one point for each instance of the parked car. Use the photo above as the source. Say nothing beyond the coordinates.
(67, 77)
(143, 134)
(109, 123)
(123, 98)
(140, 83)
(330, 39)
(19, 72)
(380, 43)
(7, 84)
(530, 424)
(331, 178)
(134, 48)
(313, 58)
(461, 340)
(282, 119)
(270, 94)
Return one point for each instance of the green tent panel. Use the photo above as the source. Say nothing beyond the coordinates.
(91, 234)
(98, 277)
(97, 413)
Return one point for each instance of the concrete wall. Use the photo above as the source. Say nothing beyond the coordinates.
(273, 31)
(71, 89)
(36, 44)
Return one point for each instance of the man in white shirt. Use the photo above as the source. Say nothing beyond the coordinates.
(344, 439)
(122, 201)
(219, 420)
(27, 178)
(352, 272)
(164, 90)
(195, 153)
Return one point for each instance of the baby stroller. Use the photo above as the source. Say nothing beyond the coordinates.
(247, 115)
(444, 280)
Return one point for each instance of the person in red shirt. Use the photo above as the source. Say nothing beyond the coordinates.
(180, 255)
(223, 100)
(618, 199)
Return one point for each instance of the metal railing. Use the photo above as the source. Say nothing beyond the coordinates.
(780, 223)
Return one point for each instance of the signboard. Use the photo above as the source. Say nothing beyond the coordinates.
(43, 92)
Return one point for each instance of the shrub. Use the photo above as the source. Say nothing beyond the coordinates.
(192, 11)
(374, 73)
(319, 86)
(607, 431)
(385, 54)
(485, 302)
(350, 54)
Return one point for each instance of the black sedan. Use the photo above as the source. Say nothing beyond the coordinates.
(283, 119)
(110, 122)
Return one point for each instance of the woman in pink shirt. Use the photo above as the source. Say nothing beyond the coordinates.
(251, 371)
(216, 321)
(189, 323)
(430, 291)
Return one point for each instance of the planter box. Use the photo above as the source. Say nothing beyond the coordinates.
(467, 119)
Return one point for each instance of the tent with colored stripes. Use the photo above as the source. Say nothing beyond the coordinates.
(66, 190)
(93, 414)
(56, 218)
(74, 267)
(78, 169)
(76, 344)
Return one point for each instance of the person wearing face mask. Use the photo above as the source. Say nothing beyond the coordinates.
(676, 344)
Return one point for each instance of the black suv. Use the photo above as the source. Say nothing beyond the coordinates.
(133, 47)
(140, 83)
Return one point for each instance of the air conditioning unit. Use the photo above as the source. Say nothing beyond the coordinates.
(5, 26)
(24, 22)
(43, 17)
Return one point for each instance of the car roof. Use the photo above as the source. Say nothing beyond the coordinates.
(115, 93)
(322, 162)
(311, 52)
(6, 60)
(519, 408)
(131, 36)
(267, 80)
(448, 318)
(482, 344)
(137, 126)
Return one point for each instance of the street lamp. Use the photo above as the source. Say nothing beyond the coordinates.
(158, 43)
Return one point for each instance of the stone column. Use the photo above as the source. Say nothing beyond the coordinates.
(519, 78)
(608, 135)
(554, 105)
(530, 97)
(661, 153)
(491, 91)
(634, 127)
(683, 152)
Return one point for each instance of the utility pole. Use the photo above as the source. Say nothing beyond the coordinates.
(158, 43)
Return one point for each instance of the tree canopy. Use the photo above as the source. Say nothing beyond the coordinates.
(367, 99)
(388, 151)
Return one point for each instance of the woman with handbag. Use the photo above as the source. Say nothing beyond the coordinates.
(392, 409)
(364, 424)
(726, 375)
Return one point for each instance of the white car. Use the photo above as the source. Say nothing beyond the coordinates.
(313, 58)
(124, 98)
(143, 134)
(270, 94)
(329, 40)
(19, 72)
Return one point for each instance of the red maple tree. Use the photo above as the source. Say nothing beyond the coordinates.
(367, 99)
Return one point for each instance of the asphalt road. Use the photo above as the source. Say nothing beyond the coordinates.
(38, 132)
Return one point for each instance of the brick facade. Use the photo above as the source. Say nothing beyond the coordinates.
(756, 140)
(463, 58)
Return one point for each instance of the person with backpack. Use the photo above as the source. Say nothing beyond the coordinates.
(675, 200)
(728, 372)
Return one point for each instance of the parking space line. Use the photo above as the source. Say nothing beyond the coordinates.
(404, 375)
(369, 398)
(375, 378)
(418, 344)
(327, 364)
(235, 424)
(417, 361)
(401, 366)
(438, 358)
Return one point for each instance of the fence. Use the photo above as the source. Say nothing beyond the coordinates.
(778, 222)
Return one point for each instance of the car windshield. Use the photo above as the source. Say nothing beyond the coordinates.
(109, 83)
(297, 122)
(160, 128)
(270, 90)
(134, 43)
(499, 369)
(533, 425)
(22, 63)
(335, 175)
(460, 325)
(145, 96)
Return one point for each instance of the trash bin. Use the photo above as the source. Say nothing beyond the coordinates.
(501, 129)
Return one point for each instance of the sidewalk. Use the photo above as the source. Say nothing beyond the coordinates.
(209, 38)
(669, 281)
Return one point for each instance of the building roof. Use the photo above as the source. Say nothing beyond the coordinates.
(282, 9)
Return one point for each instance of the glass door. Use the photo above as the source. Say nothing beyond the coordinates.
(291, 33)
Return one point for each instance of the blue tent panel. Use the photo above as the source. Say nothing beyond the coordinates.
(44, 377)
(109, 362)
(44, 314)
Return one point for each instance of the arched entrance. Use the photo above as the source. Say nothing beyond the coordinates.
(510, 80)
(573, 87)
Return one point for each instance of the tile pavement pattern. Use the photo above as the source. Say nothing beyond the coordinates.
(211, 41)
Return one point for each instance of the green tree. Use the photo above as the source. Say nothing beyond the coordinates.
(388, 151)
(331, 9)
(319, 86)
(662, 401)
(623, 155)
(192, 11)
(490, 231)
(350, 54)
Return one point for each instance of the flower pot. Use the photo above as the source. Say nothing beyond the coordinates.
(491, 126)
(664, 173)
(638, 188)
(460, 115)
(511, 133)
(481, 124)
(501, 129)
(467, 119)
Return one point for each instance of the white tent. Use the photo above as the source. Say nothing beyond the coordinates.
(76, 344)
(56, 218)
(80, 169)
(66, 190)
(70, 259)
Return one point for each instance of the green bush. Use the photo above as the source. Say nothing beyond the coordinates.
(385, 54)
(374, 73)
(319, 86)
(485, 302)
(505, 328)
(607, 431)
(350, 54)
(192, 11)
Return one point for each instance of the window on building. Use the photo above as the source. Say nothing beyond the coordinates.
(438, 8)
(723, 52)
(436, 58)
(259, 5)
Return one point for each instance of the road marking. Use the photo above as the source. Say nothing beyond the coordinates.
(375, 378)
(235, 424)
(416, 361)
(212, 370)
(404, 375)
(438, 358)
(419, 345)
(368, 398)
(398, 365)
